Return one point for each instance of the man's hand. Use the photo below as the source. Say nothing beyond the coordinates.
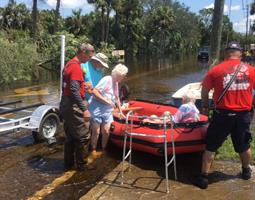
(205, 111)
(86, 116)
(88, 87)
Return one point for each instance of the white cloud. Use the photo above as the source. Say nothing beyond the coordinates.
(240, 26)
(235, 8)
(210, 6)
(69, 4)
(226, 8)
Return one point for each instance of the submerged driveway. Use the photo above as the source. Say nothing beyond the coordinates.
(146, 181)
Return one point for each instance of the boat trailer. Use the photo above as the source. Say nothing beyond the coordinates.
(43, 121)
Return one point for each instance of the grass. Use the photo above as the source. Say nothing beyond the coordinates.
(227, 152)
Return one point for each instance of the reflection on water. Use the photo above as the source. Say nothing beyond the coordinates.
(148, 78)
(158, 79)
(43, 93)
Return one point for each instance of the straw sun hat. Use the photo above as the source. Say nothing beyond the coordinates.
(100, 57)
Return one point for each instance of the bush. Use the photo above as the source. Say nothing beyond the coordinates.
(50, 47)
(17, 60)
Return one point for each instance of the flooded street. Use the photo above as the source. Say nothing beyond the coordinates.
(35, 171)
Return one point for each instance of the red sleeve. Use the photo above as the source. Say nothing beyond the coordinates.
(253, 70)
(76, 74)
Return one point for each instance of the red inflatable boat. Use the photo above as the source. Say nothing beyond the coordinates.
(188, 137)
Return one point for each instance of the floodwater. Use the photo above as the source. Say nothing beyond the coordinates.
(35, 171)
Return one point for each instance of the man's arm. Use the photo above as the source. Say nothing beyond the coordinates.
(76, 97)
(75, 94)
(205, 100)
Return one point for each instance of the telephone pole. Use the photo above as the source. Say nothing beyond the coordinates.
(247, 25)
(215, 39)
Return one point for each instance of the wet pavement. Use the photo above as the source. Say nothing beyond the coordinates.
(35, 171)
(146, 180)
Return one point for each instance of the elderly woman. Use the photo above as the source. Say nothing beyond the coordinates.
(105, 97)
(188, 111)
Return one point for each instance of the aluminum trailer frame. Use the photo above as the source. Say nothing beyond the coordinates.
(43, 122)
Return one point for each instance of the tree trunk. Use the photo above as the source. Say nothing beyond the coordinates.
(34, 19)
(103, 24)
(57, 14)
(107, 23)
(216, 31)
(11, 2)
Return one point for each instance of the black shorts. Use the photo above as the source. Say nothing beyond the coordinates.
(225, 122)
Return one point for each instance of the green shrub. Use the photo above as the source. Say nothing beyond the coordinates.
(17, 60)
(50, 47)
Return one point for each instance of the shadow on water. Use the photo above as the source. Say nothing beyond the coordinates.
(188, 166)
(13, 142)
(218, 176)
(49, 161)
(46, 164)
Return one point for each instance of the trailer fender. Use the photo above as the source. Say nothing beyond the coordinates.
(39, 113)
(45, 120)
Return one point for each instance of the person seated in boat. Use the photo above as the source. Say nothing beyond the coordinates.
(105, 97)
(188, 111)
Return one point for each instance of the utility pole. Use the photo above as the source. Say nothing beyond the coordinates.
(247, 24)
(215, 39)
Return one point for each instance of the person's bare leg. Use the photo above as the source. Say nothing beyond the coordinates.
(94, 138)
(245, 158)
(246, 169)
(202, 179)
(208, 158)
(105, 128)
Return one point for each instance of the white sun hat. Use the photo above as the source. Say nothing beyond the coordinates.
(102, 58)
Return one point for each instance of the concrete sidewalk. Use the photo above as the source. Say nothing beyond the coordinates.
(147, 182)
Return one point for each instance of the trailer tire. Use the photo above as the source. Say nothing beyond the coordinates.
(36, 137)
(48, 128)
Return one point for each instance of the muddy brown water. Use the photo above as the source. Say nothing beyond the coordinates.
(35, 171)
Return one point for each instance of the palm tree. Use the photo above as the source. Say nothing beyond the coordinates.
(104, 6)
(15, 16)
(57, 15)
(12, 2)
(252, 10)
(74, 23)
(34, 18)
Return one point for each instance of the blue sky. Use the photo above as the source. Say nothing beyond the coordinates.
(238, 16)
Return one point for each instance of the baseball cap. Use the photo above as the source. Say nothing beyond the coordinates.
(234, 45)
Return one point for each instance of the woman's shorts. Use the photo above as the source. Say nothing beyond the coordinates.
(104, 118)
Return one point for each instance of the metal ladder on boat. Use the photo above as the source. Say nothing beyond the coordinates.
(129, 133)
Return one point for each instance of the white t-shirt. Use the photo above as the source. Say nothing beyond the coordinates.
(108, 90)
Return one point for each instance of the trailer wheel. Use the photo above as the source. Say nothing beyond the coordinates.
(36, 137)
(48, 128)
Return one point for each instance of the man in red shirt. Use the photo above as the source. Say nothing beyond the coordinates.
(232, 112)
(74, 110)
